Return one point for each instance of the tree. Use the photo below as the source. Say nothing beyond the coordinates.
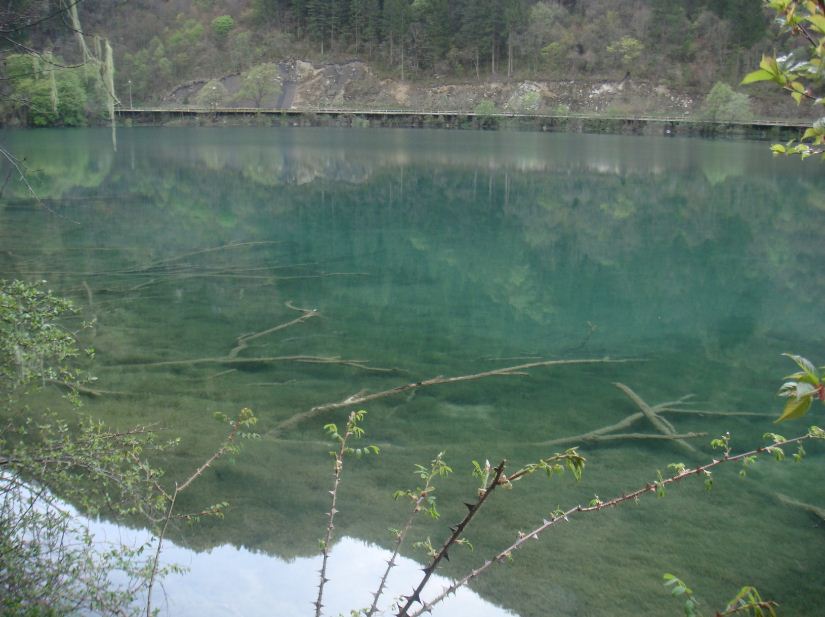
(42, 76)
(626, 51)
(213, 94)
(260, 82)
(365, 16)
(396, 26)
(45, 94)
(723, 104)
(221, 27)
(49, 561)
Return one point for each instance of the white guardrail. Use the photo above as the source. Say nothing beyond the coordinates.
(439, 112)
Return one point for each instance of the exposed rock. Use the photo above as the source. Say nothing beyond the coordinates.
(354, 85)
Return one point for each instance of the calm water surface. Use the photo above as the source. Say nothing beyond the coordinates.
(427, 254)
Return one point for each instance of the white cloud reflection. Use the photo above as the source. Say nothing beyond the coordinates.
(230, 581)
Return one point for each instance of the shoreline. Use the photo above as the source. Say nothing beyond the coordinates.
(775, 129)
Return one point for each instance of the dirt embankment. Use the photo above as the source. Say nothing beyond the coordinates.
(354, 85)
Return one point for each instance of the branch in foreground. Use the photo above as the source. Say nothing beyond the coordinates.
(357, 399)
(472, 509)
(245, 419)
(352, 431)
(598, 505)
(424, 495)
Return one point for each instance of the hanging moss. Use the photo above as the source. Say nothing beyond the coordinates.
(52, 81)
(81, 41)
(108, 71)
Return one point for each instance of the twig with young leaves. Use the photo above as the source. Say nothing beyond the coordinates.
(490, 478)
(747, 601)
(795, 74)
(245, 420)
(422, 500)
(658, 487)
(487, 487)
(351, 431)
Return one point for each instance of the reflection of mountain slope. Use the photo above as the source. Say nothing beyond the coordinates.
(438, 253)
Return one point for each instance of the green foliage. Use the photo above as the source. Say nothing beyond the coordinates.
(260, 82)
(626, 51)
(222, 26)
(679, 589)
(722, 443)
(723, 104)
(213, 94)
(422, 497)
(798, 72)
(484, 113)
(801, 388)
(34, 346)
(45, 94)
(352, 430)
(747, 601)
(48, 558)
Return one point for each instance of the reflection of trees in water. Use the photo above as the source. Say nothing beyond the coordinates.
(463, 261)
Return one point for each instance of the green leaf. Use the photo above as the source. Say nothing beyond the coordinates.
(806, 365)
(757, 75)
(795, 408)
(810, 133)
(817, 21)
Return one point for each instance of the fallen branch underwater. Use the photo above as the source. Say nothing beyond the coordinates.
(242, 342)
(359, 398)
(666, 431)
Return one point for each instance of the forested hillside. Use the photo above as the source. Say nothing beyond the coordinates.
(683, 45)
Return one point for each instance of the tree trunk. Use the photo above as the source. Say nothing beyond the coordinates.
(509, 56)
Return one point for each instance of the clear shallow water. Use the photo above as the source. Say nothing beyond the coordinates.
(448, 253)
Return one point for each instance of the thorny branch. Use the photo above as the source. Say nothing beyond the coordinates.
(437, 468)
(560, 516)
(244, 418)
(472, 509)
(326, 543)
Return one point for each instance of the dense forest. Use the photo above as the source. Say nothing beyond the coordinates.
(685, 45)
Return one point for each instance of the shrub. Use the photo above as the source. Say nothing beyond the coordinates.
(213, 94)
(723, 104)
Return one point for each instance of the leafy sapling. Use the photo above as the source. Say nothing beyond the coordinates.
(422, 499)
(352, 431)
(678, 589)
(746, 602)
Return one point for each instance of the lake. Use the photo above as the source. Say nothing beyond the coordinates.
(284, 269)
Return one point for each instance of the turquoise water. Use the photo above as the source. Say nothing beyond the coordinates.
(438, 253)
